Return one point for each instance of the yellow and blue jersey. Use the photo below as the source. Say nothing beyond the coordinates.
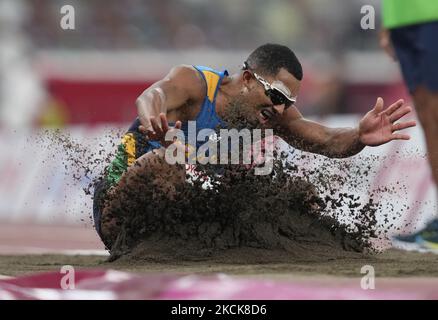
(134, 144)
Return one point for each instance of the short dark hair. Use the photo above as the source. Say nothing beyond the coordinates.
(269, 58)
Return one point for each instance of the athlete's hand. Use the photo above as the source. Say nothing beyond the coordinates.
(159, 129)
(379, 125)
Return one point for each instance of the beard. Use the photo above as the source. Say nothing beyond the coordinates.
(241, 115)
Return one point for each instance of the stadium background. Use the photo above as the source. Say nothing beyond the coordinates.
(85, 82)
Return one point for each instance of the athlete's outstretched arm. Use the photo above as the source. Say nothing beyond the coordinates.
(166, 96)
(377, 127)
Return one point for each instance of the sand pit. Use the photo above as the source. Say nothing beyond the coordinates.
(390, 264)
(240, 218)
(293, 214)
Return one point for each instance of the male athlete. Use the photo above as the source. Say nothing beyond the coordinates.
(410, 36)
(267, 87)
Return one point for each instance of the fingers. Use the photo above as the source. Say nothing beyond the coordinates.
(159, 127)
(155, 125)
(400, 136)
(145, 125)
(404, 125)
(164, 123)
(379, 105)
(400, 113)
(394, 107)
(142, 129)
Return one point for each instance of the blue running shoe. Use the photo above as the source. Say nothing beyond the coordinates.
(425, 240)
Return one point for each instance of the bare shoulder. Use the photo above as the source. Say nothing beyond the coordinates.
(187, 78)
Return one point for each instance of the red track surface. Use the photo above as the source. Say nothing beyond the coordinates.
(29, 239)
(110, 284)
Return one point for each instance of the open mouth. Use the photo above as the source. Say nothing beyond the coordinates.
(266, 114)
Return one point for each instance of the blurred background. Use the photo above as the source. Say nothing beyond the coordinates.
(85, 81)
(93, 73)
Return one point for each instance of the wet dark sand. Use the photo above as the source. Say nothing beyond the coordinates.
(392, 263)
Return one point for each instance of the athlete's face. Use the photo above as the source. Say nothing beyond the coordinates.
(261, 106)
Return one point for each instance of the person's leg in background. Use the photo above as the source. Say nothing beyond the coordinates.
(417, 52)
(426, 104)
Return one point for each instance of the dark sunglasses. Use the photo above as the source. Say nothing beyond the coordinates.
(278, 98)
(277, 95)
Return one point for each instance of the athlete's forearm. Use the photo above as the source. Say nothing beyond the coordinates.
(341, 143)
(331, 142)
(150, 104)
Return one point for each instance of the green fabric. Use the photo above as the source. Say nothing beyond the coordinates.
(118, 166)
(399, 13)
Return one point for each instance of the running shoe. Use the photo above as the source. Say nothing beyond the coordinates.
(425, 240)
